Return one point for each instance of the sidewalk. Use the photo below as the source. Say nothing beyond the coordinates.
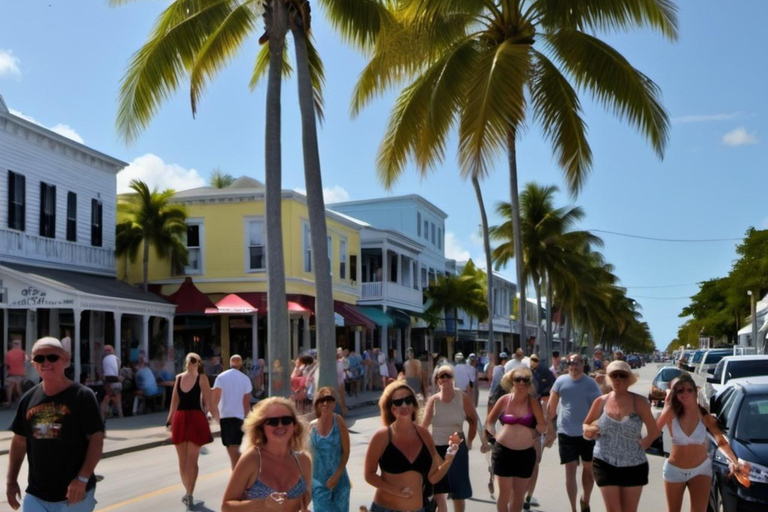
(133, 433)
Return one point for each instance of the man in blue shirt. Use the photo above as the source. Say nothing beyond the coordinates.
(575, 393)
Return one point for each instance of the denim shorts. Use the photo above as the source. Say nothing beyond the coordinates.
(375, 507)
(35, 504)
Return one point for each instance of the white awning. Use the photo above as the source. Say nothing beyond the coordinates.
(745, 330)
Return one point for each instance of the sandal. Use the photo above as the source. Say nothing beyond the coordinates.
(584, 505)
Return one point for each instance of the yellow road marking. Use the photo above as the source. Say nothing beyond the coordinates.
(158, 492)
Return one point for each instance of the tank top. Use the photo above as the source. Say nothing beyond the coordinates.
(189, 400)
(619, 441)
(447, 418)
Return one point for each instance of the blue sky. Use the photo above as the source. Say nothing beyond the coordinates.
(61, 63)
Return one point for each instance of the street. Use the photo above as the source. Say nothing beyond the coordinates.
(149, 480)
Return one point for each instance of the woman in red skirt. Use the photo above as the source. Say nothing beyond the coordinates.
(188, 421)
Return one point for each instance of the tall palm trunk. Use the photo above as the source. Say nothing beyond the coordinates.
(539, 331)
(515, 204)
(278, 335)
(145, 270)
(550, 303)
(567, 335)
(325, 327)
(488, 262)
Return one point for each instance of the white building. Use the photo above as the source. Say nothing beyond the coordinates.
(57, 245)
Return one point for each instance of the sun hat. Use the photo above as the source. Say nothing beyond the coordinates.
(621, 366)
(47, 342)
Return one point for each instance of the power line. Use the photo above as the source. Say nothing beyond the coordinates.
(660, 298)
(663, 286)
(674, 240)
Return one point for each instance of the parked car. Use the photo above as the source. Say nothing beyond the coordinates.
(682, 359)
(741, 410)
(660, 384)
(731, 367)
(711, 358)
(633, 361)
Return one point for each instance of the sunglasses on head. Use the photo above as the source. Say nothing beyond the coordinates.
(527, 380)
(326, 398)
(445, 376)
(280, 420)
(51, 358)
(408, 400)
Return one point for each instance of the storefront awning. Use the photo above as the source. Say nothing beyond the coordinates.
(351, 315)
(401, 319)
(378, 317)
(189, 299)
(232, 304)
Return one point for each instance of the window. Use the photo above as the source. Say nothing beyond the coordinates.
(418, 223)
(343, 258)
(16, 201)
(353, 267)
(433, 233)
(424, 281)
(426, 229)
(47, 210)
(194, 248)
(256, 255)
(415, 274)
(439, 238)
(71, 216)
(96, 218)
(307, 241)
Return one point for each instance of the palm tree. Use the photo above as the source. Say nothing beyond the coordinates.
(220, 179)
(488, 260)
(487, 65)
(149, 218)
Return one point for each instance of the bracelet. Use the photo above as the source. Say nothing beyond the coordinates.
(83, 479)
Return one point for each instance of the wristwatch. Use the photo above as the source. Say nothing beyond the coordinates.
(82, 479)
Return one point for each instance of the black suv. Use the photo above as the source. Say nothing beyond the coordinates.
(741, 410)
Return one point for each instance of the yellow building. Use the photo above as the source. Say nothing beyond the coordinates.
(227, 264)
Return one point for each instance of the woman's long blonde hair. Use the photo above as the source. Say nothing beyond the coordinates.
(253, 426)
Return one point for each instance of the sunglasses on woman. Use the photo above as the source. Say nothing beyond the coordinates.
(326, 398)
(408, 400)
(527, 380)
(51, 358)
(680, 391)
(619, 375)
(193, 360)
(445, 376)
(280, 420)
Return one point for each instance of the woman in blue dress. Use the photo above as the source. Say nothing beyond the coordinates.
(329, 439)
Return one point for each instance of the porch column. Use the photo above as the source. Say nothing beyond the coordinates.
(145, 336)
(298, 347)
(224, 339)
(383, 340)
(399, 342)
(254, 338)
(53, 324)
(169, 340)
(31, 330)
(5, 335)
(77, 318)
(384, 266)
(306, 339)
(118, 318)
(357, 341)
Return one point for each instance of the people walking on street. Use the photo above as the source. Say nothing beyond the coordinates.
(598, 363)
(689, 465)
(59, 427)
(466, 376)
(414, 373)
(542, 385)
(615, 421)
(341, 376)
(574, 392)
(475, 394)
(517, 361)
(496, 390)
(275, 472)
(445, 412)
(401, 460)
(522, 423)
(381, 362)
(15, 366)
(188, 422)
(329, 441)
(113, 388)
(231, 402)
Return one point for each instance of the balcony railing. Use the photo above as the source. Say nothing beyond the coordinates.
(392, 292)
(32, 248)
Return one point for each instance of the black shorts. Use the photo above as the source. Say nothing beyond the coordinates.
(574, 448)
(231, 431)
(515, 463)
(621, 476)
(456, 482)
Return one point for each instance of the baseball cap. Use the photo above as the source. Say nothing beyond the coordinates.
(47, 342)
(503, 355)
(472, 356)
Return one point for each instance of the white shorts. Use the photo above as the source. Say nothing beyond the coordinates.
(674, 474)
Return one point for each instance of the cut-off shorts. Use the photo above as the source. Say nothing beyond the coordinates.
(674, 474)
(375, 507)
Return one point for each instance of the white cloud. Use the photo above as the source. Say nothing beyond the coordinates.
(335, 194)
(454, 249)
(739, 137)
(705, 118)
(476, 237)
(9, 64)
(62, 129)
(154, 172)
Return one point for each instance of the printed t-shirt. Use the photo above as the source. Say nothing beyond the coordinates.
(233, 385)
(576, 397)
(56, 429)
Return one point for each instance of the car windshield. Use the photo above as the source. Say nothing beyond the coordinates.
(715, 357)
(747, 368)
(753, 419)
(697, 356)
(667, 374)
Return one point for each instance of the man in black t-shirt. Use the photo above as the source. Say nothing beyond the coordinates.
(58, 425)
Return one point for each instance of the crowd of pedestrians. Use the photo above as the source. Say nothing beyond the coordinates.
(417, 461)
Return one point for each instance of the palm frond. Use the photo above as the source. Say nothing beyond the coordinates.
(358, 21)
(261, 66)
(317, 74)
(613, 81)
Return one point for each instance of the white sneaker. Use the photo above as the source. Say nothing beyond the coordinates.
(533, 501)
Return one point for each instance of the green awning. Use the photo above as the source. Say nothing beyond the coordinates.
(401, 318)
(378, 317)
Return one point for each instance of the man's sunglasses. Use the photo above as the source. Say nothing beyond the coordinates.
(574, 363)
(51, 358)
(280, 420)
(445, 376)
(527, 380)
(326, 398)
(619, 375)
(399, 402)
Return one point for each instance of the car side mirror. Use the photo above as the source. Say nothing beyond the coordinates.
(713, 380)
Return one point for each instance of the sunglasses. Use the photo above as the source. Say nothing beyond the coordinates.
(280, 420)
(534, 360)
(193, 360)
(527, 380)
(619, 375)
(680, 391)
(51, 358)
(399, 402)
(327, 398)
(574, 363)
(445, 376)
